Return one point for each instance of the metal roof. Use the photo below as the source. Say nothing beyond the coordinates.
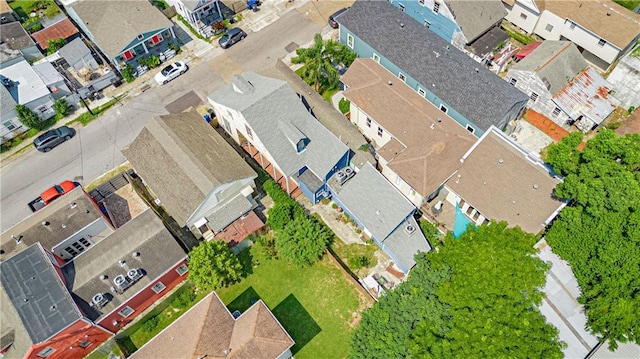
(27, 85)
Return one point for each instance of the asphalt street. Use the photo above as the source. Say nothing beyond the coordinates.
(96, 148)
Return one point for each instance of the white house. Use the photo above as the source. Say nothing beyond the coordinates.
(201, 14)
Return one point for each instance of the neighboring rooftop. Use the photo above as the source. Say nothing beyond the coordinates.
(476, 17)
(37, 293)
(62, 219)
(472, 90)
(261, 100)
(115, 24)
(427, 144)
(142, 243)
(215, 334)
(506, 183)
(61, 29)
(14, 36)
(555, 62)
(74, 51)
(47, 73)
(7, 103)
(183, 159)
(608, 20)
(26, 85)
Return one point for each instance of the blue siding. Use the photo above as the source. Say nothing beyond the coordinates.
(342, 163)
(364, 50)
(439, 24)
(307, 192)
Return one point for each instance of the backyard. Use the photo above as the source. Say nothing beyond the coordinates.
(23, 8)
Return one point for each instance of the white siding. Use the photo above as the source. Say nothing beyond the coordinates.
(529, 82)
(401, 185)
(514, 15)
(359, 118)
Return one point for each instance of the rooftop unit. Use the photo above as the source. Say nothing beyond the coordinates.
(344, 174)
(99, 300)
(134, 275)
(121, 283)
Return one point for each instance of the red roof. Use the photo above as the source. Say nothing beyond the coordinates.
(526, 50)
(62, 29)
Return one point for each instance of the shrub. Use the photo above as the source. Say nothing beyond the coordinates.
(28, 117)
(127, 73)
(150, 324)
(359, 262)
(325, 201)
(54, 45)
(344, 105)
(175, 48)
(266, 247)
(302, 241)
(150, 61)
(186, 297)
(429, 230)
(212, 265)
(62, 107)
(334, 205)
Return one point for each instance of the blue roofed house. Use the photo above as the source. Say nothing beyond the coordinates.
(459, 22)
(269, 120)
(382, 212)
(452, 81)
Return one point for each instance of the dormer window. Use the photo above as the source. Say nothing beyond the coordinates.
(140, 36)
(301, 145)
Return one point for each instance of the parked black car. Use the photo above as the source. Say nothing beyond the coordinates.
(231, 37)
(50, 139)
(332, 19)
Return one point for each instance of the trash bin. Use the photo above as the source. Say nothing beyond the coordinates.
(207, 118)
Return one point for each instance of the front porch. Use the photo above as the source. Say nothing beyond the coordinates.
(158, 45)
(287, 184)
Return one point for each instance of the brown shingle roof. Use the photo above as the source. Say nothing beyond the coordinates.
(4, 7)
(607, 19)
(208, 329)
(62, 29)
(423, 156)
(500, 181)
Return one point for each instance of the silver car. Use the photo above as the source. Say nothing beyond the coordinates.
(170, 72)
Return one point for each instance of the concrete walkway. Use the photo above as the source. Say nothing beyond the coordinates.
(335, 100)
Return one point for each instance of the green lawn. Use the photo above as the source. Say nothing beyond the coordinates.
(629, 4)
(316, 305)
(349, 252)
(23, 8)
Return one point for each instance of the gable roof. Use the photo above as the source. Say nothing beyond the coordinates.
(476, 17)
(63, 221)
(7, 103)
(61, 29)
(145, 235)
(114, 24)
(27, 85)
(556, 62)
(256, 334)
(181, 151)
(423, 156)
(472, 90)
(37, 294)
(505, 183)
(74, 51)
(14, 36)
(262, 101)
(610, 21)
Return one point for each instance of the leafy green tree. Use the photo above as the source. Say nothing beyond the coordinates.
(62, 107)
(127, 73)
(598, 233)
(28, 117)
(564, 155)
(279, 216)
(213, 265)
(54, 45)
(321, 61)
(302, 241)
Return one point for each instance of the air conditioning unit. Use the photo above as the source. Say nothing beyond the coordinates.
(99, 300)
(348, 171)
(341, 177)
(121, 282)
(134, 274)
(409, 228)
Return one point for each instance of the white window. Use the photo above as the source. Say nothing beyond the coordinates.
(556, 112)
(471, 129)
(427, 24)
(182, 269)
(376, 58)
(602, 42)
(380, 131)
(513, 81)
(523, 16)
(402, 77)
(158, 287)
(444, 108)
(436, 7)
(534, 96)
(421, 92)
(350, 40)
(126, 311)
(140, 36)
(46, 352)
(549, 27)
(401, 7)
(9, 125)
(368, 122)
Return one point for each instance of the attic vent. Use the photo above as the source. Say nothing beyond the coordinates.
(409, 228)
(103, 277)
(500, 161)
(389, 83)
(73, 205)
(535, 186)
(136, 254)
(401, 24)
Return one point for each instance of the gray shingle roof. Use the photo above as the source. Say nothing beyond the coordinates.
(472, 90)
(74, 51)
(182, 159)
(225, 214)
(278, 118)
(475, 17)
(7, 103)
(374, 202)
(556, 61)
(37, 294)
(405, 246)
(15, 36)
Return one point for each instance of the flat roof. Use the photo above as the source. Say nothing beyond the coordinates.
(27, 85)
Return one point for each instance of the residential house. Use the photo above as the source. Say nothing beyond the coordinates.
(54, 81)
(6, 13)
(124, 31)
(500, 180)
(216, 333)
(563, 86)
(39, 316)
(269, 120)
(65, 228)
(418, 147)
(625, 79)
(78, 56)
(603, 30)
(201, 14)
(459, 22)
(383, 213)
(202, 182)
(449, 79)
(15, 44)
(10, 125)
(63, 29)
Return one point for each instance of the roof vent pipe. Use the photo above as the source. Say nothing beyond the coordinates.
(500, 161)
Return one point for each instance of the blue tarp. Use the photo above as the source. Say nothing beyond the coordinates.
(461, 223)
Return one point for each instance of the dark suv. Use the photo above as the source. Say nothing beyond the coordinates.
(231, 37)
(50, 139)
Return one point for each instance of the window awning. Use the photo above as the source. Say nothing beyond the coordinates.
(526, 50)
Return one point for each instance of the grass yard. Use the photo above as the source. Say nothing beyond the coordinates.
(316, 305)
(629, 4)
(23, 8)
(353, 254)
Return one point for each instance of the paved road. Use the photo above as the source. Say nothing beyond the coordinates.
(96, 148)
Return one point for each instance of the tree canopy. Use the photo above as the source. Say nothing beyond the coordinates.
(303, 240)
(598, 233)
(213, 265)
(471, 297)
(54, 45)
(28, 117)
